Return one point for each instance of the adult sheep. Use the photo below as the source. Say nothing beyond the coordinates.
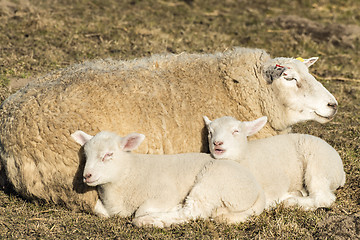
(163, 96)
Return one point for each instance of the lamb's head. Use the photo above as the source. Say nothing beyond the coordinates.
(303, 97)
(106, 153)
(228, 136)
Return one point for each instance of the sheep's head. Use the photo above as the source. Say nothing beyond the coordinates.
(106, 153)
(303, 97)
(228, 136)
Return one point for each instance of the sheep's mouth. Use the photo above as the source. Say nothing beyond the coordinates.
(218, 151)
(326, 117)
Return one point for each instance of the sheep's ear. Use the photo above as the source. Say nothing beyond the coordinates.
(206, 120)
(310, 61)
(273, 72)
(253, 127)
(131, 141)
(81, 137)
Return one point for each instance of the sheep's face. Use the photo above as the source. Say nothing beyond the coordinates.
(107, 156)
(303, 97)
(228, 136)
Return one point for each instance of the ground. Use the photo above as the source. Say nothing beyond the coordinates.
(40, 36)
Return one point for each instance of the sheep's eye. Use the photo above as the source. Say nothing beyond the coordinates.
(290, 79)
(107, 156)
(235, 132)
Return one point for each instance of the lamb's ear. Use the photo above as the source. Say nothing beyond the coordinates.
(253, 127)
(81, 137)
(273, 72)
(131, 141)
(206, 120)
(310, 61)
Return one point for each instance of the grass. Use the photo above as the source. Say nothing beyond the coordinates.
(39, 36)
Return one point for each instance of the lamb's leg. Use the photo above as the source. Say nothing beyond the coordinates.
(312, 202)
(156, 206)
(191, 210)
(224, 214)
(233, 217)
(320, 195)
(271, 203)
(100, 210)
(159, 220)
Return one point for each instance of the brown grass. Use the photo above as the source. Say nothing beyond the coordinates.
(39, 36)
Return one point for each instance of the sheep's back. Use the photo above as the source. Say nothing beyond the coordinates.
(163, 97)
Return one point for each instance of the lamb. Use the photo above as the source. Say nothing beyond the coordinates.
(163, 96)
(296, 169)
(151, 185)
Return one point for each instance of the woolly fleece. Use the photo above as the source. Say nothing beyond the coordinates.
(163, 96)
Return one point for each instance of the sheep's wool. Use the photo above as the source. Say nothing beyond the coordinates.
(163, 96)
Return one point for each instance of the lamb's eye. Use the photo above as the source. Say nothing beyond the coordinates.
(107, 156)
(235, 132)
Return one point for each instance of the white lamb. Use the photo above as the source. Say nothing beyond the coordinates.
(294, 168)
(166, 189)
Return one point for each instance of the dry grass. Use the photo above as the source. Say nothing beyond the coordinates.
(39, 36)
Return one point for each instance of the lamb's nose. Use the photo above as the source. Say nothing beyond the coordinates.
(87, 176)
(218, 143)
(333, 105)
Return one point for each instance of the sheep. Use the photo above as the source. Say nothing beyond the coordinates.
(147, 184)
(296, 169)
(162, 96)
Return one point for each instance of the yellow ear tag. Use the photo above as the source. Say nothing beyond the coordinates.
(300, 59)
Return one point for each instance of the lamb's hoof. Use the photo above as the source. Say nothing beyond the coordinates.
(148, 221)
(290, 202)
(294, 201)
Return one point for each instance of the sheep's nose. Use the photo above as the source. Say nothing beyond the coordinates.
(87, 176)
(218, 143)
(333, 105)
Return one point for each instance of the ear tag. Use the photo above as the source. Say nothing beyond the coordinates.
(300, 59)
